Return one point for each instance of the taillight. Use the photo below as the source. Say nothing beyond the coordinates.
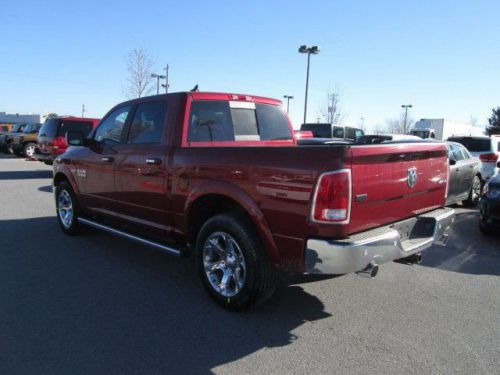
(332, 198)
(60, 142)
(489, 158)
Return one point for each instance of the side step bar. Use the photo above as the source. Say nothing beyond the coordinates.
(119, 233)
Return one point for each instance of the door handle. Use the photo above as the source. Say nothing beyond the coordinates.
(107, 159)
(154, 161)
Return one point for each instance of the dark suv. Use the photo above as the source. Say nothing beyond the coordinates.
(52, 138)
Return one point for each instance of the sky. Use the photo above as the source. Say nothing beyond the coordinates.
(443, 57)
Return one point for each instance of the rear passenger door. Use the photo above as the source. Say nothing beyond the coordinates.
(141, 169)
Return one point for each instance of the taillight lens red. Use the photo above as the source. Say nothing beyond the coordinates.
(59, 145)
(491, 158)
(332, 198)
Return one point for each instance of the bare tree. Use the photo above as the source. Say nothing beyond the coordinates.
(333, 113)
(139, 67)
(379, 129)
(400, 125)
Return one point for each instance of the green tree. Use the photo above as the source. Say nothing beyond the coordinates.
(494, 120)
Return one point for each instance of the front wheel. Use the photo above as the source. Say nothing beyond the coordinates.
(232, 264)
(474, 193)
(67, 208)
(29, 149)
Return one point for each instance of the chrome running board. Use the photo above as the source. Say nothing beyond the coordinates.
(119, 233)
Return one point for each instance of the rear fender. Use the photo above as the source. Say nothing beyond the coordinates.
(246, 202)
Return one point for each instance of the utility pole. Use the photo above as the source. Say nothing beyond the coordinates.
(362, 123)
(288, 97)
(309, 50)
(83, 110)
(406, 106)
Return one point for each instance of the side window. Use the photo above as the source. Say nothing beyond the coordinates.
(465, 152)
(147, 125)
(338, 133)
(498, 147)
(111, 129)
(210, 121)
(457, 153)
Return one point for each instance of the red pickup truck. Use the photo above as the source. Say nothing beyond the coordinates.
(221, 176)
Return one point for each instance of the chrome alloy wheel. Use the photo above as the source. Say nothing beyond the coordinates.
(65, 208)
(476, 189)
(30, 151)
(224, 264)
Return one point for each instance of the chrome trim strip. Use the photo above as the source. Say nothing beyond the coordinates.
(129, 236)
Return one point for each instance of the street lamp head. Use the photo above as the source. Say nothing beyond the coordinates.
(406, 106)
(314, 50)
(303, 49)
(154, 75)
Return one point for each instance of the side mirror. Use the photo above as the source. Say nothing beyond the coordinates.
(75, 138)
(498, 164)
(453, 162)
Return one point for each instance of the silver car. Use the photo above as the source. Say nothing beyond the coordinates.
(465, 176)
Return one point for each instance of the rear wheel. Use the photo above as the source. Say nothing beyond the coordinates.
(232, 264)
(9, 149)
(474, 193)
(29, 149)
(67, 208)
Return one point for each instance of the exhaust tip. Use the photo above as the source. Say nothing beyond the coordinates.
(370, 271)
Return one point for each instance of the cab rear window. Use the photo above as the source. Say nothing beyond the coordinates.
(222, 121)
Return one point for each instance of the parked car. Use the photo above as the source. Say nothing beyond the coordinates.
(489, 211)
(221, 176)
(52, 138)
(465, 176)
(24, 144)
(327, 130)
(372, 139)
(487, 149)
(6, 137)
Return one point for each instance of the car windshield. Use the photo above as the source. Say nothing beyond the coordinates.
(474, 144)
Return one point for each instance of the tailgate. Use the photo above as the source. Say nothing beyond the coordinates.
(396, 181)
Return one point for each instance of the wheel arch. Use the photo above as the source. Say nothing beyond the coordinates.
(60, 177)
(218, 197)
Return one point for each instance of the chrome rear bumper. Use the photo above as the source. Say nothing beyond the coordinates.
(380, 245)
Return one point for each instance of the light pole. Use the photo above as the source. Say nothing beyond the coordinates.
(83, 110)
(309, 50)
(406, 106)
(288, 97)
(158, 77)
(362, 122)
(166, 85)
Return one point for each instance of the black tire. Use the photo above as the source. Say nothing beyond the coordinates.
(474, 193)
(260, 276)
(72, 226)
(48, 162)
(29, 150)
(9, 149)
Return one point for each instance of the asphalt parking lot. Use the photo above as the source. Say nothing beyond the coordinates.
(96, 304)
